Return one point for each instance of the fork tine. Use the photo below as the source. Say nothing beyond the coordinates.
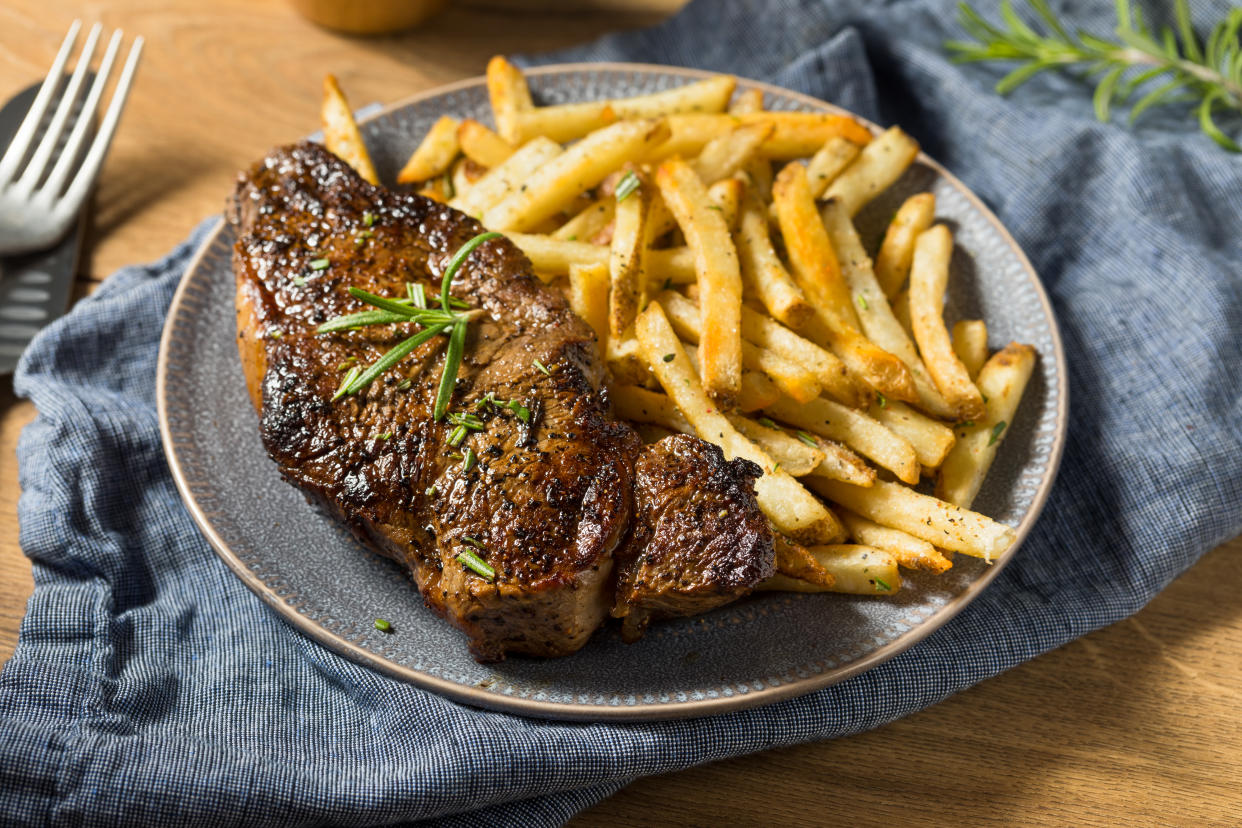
(25, 133)
(51, 139)
(64, 164)
(85, 178)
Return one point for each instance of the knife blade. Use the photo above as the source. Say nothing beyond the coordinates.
(35, 287)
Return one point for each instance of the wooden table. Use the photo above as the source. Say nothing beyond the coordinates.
(1137, 723)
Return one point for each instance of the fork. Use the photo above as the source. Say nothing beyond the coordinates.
(37, 207)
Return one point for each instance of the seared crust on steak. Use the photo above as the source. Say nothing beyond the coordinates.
(548, 501)
(699, 539)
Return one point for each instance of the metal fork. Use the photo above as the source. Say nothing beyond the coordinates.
(37, 207)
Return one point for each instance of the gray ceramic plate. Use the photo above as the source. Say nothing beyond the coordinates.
(767, 647)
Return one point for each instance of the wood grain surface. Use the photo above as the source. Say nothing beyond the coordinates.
(1137, 724)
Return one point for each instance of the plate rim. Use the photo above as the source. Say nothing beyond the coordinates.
(647, 711)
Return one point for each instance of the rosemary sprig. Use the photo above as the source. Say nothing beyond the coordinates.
(412, 308)
(1169, 67)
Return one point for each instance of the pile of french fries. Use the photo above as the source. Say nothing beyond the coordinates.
(711, 246)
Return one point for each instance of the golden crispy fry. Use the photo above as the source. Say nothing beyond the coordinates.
(434, 155)
(901, 310)
(855, 429)
(589, 221)
(481, 145)
(826, 164)
(794, 134)
(910, 552)
(792, 378)
(725, 196)
(719, 280)
(758, 392)
(499, 182)
(842, 464)
(929, 278)
(934, 520)
(340, 132)
(791, 454)
(555, 185)
(509, 94)
(747, 101)
(874, 312)
(811, 256)
(970, 343)
(722, 156)
(931, 439)
(588, 296)
(857, 570)
(568, 122)
(762, 271)
(792, 509)
(627, 260)
(552, 257)
(464, 174)
(827, 367)
(879, 164)
(892, 263)
(796, 562)
(878, 368)
(1003, 379)
(757, 173)
(639, 405)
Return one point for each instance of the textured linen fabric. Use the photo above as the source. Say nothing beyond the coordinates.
(150, 687)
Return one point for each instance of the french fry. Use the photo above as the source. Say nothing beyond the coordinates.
(970, 343)
(792, 510)
(481, 145)
(568, 122)
(747, 101)
(588, 296)
(640, 405)
(878, 368)
(719, 280)
(340, 132)
(931, 439)
(856, 570)
(840, 463)
(854, 428)
(552, 257)
(791, 455)
(434, 154)
(757, 173)
(874, 312)
(826, 164)
(726, 196)
(935, 521)
(892, 263)
(500, 181)
(794, 134)
(1003, 379)
(589, 220)
(758, 392)
(929, 278)
(811, 256)
(827, 367)
(792, 378)
(794, 561)
(627, 259)
(509, 94)
(901, 310)
(880, 163)
(762, 271)
(724, 155)
(557, 183)
(909, 551)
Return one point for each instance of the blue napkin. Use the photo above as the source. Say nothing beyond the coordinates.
(150, 687)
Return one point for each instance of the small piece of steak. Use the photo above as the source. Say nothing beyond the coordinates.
(698, 540)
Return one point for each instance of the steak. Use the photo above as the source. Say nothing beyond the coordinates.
(698, 540)
(545, 494)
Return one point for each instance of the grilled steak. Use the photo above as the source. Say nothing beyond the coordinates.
(698, 540)
(548, 500)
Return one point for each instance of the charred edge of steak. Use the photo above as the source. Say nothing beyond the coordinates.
(698, 539)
